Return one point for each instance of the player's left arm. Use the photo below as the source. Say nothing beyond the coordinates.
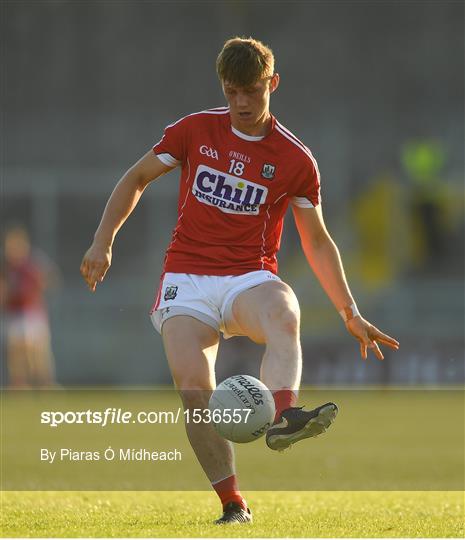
(323, 256)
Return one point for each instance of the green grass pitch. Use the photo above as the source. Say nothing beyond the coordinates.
(190, 514)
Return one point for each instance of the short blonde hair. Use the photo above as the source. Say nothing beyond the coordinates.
(244, 61)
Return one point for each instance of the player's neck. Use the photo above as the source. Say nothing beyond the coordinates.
(260, 128)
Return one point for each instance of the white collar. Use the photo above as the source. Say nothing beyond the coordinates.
(246, 137)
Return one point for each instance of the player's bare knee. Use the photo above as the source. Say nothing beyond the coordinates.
(281, 312)
(283, 319)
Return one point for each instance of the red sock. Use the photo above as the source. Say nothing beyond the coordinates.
(283, 399)
(228, 491)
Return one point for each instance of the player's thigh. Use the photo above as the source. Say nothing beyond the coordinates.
(191, 347)
(266, 311)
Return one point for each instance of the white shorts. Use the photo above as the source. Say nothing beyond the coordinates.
(28, 325)
(206, 298)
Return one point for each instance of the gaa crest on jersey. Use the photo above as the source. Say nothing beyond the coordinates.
(210, 152)
(268, 171)
(230, 194)
(170, 292)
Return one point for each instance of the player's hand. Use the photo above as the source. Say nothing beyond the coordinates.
(369, 337)
(95, 264)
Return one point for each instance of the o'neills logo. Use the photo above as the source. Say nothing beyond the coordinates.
(228, 193)
(254, 392)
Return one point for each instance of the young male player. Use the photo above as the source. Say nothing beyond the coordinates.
(240, 169)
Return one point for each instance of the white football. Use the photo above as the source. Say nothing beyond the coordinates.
(242, 408)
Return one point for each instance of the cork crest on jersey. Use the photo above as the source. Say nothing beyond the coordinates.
(228, 193)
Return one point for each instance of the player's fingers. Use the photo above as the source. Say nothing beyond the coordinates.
(394, 346)
(375, 333)
(366, 340)
(85, 274)
(83, 268)
(104, 271)
(377, 351)
(363, 350)
(90, 283)
(94, 277)
(386, 340)
(88, 268)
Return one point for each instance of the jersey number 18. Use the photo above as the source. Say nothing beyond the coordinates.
(236, 167)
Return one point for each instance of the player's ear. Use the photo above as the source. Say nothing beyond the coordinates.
(274, 83)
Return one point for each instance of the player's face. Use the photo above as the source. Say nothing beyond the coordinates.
(250, 105)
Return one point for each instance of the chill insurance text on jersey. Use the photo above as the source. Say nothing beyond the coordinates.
(250, 179)
(225, 191)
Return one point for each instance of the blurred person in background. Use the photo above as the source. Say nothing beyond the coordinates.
(25, 276)
(411, 227)
(380, 221)
(435, 206)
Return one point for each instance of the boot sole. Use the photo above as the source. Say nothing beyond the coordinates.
(314, 427)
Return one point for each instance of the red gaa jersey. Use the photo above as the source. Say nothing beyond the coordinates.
(25, 286)
(234, 192)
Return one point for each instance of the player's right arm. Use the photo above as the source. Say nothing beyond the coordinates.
(123, 200)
